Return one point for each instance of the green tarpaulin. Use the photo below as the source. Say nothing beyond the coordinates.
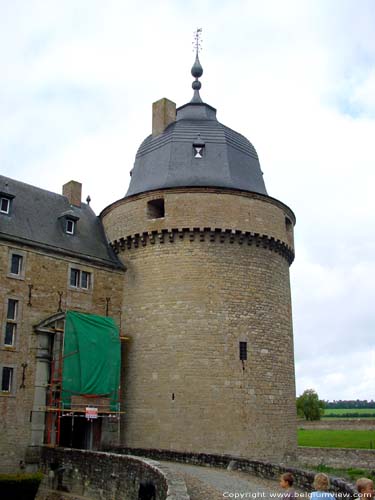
(92, 358)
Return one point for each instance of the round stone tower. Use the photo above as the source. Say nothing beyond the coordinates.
(209, 367)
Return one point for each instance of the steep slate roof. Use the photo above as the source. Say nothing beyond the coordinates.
(168, 160)
(37, 218)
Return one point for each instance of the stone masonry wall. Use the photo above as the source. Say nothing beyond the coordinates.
(337, 457)
(201, 208)
(189, 299)
(268, 470)
(104, 476)
(37, 292)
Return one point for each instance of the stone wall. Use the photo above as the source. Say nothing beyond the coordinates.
(104, 476)
(36, 291)
(191, 295)
(267, 470)
(201, 207)
(363, 424)
(337, 457)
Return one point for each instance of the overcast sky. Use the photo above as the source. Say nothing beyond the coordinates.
(77, 81)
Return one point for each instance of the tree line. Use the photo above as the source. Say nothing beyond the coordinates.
(350, 403)
(310, 407)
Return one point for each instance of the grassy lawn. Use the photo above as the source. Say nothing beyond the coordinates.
(344, 411)
(336, 438)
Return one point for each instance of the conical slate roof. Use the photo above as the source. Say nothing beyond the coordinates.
(196, 150)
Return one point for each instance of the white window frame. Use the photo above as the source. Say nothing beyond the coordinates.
(70, 226)
(2, 199)
(88, 280)
(79, 283)
(22, 267)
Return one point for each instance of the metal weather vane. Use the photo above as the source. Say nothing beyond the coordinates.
(197, 70)
(197, 43)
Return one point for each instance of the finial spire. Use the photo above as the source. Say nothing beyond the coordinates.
(197, 70)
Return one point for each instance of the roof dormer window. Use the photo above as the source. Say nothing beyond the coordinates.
(5, 203)
(198, 147)
(69, 226)
(69, 222)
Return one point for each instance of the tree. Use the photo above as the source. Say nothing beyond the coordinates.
(309, 405)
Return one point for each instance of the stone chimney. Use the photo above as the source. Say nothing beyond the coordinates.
(163, 113)
(73, 191)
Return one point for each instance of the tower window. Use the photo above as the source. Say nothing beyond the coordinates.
(288, 224)
(7, 379)
(243, 351)
(155, 209)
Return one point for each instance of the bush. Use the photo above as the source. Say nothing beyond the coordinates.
(20, 486)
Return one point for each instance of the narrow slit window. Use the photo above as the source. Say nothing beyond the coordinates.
(7, 379)
(243, 351)
(155, 209)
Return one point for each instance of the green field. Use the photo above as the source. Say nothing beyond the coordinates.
(336, 438)
(358, 412)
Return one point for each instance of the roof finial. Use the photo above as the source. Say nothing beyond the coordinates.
(197, 70)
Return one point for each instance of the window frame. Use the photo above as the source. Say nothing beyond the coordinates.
(11, 382)
(69, 222)
(11, 323)
(8, 200)
(20, 275)
(19, 264)
(83, 279)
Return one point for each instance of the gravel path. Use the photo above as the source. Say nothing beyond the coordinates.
(209, 483)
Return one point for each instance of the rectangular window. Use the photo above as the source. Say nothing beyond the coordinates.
(16, 264)
(11, 325)
(85, 279)
(7, 379)
(4, 205)
(80, 279)
(243, 351)
(69, 226)
(10, 334)
(155, 209)
(74, 277)
(12, 309)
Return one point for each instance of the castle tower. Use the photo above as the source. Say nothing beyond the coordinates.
(206, 300)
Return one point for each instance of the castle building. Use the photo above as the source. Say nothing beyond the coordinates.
(192, 265)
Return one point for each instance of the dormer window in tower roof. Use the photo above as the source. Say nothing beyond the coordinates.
(5, 202)
(69, 220)
(198, 146)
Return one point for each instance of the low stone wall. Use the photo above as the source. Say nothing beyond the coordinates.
(303, 478)
(363, 424)
(337, 457)
(75, 474)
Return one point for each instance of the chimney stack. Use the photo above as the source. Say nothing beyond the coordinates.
(73, 191)
(163, 113)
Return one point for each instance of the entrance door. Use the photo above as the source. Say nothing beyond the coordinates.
(79, 432)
